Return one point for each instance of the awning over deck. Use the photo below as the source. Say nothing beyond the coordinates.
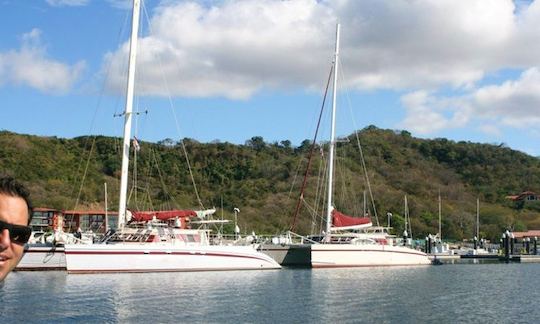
(341, 221)
(142, 216)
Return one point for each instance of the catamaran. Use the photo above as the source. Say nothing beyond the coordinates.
(156, 241)
(347, 241)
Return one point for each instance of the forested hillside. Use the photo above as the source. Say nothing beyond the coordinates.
(263, 179)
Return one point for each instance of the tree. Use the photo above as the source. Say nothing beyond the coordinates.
(257, 143)
(167, 142)
(304, 146)
(286, 144)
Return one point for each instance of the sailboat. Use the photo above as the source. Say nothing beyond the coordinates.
(478, 247)
(149, 243)
(348, 249)
(439, 247)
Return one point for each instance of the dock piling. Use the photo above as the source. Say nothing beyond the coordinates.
(512, 242)
(506, 240)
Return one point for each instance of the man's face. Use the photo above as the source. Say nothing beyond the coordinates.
(13, 210)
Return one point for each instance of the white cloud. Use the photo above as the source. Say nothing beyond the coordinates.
(427, 113)
(30, 66)
(422, 117)
(235, 48)
(513, 103)
(491, 130)
(231, 50)
(67, 3)
(409, 44)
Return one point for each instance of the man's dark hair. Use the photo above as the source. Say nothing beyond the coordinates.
(13, 188)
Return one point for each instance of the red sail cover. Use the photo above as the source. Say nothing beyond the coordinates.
(342, 220)
(141, 216)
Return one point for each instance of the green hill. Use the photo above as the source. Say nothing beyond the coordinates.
(263, 179)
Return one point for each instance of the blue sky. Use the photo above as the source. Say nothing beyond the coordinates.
(230, 70)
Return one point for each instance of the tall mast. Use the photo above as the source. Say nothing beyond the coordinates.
(440, 232)
(365, 205)
(477, 218)
(128, 113)
(330, 206)
(408, 217)
(106, 209)
(406, 213)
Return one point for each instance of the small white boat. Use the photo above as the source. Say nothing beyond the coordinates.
(45, 251)
(42, 257)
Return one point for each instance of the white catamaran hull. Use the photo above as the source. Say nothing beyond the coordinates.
(364, 255)
(156, 258)
(43, 258)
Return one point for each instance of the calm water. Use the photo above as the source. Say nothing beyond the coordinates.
(481, 293)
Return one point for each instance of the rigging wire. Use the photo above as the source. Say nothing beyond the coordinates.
(92, 125)
(298, 165)
(312, 210)
(163, 186)
(84, 176)
(313, 145)
(171, 106)
(347, 195)
(320, 197)
(149, 196)
(361, 153)
(283, 222)
(135, 155)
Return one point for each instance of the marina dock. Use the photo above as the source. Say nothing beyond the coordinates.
(521, 258)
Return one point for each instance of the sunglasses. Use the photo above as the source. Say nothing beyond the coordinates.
(18, 234)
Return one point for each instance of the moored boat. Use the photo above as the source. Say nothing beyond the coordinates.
(39, 257)
(149, 242)
(51, 230)
(342, 245)
(365, 254)
(158, 248)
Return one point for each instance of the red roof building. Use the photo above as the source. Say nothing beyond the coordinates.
(530, 234)
(524, 196)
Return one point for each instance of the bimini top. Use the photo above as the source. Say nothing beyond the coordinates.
(142, 216)
(342, 222)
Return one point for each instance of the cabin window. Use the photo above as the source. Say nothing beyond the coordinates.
(191, 238)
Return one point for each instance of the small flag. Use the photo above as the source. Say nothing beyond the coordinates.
(136, 145)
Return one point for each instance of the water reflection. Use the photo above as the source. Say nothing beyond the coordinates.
(448, 293)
